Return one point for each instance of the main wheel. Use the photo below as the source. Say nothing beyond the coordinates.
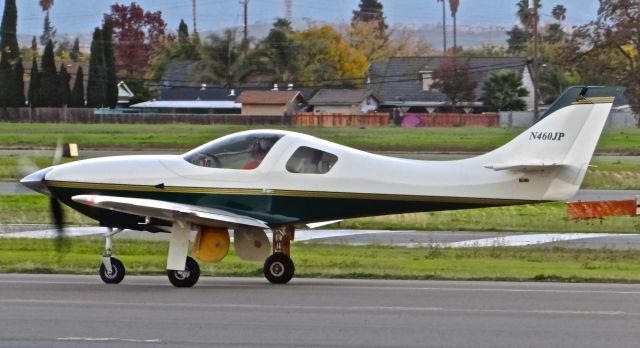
(278, 268)
(187, 278)
(117, 272)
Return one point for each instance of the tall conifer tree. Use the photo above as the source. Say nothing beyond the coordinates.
(77, 94)
(34, 85)
(11, 71)
(49, 81)
(110, 66)
(97, 84)
(65, 89)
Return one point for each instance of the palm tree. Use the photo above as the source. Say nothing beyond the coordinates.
(224, 60)
(559, 12)
(504, 92)
(453, 7)
(525, 14)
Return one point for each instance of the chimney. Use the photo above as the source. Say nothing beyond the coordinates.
(275, 87)
(203, 87)
(290, 87)
(232, 93)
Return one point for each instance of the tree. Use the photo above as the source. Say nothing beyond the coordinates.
(504, 91)
(615, 28)
(48, 31)
(187, 48)
(77, 93)
(8, 38)
(110, 66)
(136, 32)
(34, 85)
(559, 13)
(11, 70)
(553, 33)
(34, 44)
(453, 7)
(75, 50)
(454, 79)
(525, 14)
(371, 11)
(50, 94)
(97, 84)
(46, 4)
(362, 37)
(65, 90)
(63, 49)
(224, 59)
(328, 59)
(517, 39)
(277, 53)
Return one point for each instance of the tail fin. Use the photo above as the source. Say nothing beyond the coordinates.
(562, 140)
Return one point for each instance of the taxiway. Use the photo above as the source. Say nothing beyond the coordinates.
(80, 311)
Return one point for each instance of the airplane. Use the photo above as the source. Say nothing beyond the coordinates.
(274, 180)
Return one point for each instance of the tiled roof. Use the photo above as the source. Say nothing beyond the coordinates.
(268, 97)
(402, 80)
(328, 96)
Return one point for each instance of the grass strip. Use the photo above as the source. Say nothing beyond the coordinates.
(339, 261)
(374, 139)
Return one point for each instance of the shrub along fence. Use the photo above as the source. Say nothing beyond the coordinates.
(311, 119)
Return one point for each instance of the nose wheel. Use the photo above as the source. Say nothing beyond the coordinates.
(115, 274)
(111, 269)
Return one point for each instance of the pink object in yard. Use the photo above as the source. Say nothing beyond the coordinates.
(412, 120)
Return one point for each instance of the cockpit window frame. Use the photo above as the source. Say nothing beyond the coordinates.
(242, 151)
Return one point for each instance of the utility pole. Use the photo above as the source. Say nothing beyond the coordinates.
(245, 27)
(288, 9)
(195, 29)
(444, 28)
(536, 110)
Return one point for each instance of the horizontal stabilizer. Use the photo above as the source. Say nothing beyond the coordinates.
(522, 167)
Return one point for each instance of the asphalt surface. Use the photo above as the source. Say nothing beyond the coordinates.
(80, 311)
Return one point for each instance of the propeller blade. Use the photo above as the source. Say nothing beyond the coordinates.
(57, 155)
(57, 215)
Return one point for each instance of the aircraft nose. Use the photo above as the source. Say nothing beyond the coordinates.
(35, 181)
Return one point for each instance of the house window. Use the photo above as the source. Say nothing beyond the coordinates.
(306, 160)
(242, 151)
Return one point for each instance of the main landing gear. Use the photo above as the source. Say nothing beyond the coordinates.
(187, 278)
(279, 268)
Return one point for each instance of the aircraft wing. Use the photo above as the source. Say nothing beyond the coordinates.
(170, 211)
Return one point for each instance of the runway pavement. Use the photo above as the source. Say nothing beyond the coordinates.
(80, 311)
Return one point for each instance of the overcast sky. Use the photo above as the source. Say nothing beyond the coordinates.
(81, 16)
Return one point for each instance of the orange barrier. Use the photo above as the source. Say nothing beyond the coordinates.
(599, 209)
(311, 119)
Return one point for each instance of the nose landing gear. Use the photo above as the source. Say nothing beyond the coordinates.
(112, 270)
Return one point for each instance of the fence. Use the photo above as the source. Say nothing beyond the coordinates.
(457, 120)
(88, 115)
(310, 119)
(524, 119)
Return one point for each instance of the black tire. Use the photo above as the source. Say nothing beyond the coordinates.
(187, 278)
(117, 272)
(278, 268)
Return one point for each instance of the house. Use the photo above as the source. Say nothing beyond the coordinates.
(193, 100)
(271, 102)
(124, 95)
(405, 83)
(344, 101)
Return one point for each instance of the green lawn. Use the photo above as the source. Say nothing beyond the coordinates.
(339, 261)
(183, 136)
(548, 217)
